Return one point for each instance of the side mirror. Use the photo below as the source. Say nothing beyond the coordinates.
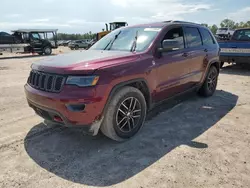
(169, 45)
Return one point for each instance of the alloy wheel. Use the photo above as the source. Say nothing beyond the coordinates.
(212, 80)
(128, 115)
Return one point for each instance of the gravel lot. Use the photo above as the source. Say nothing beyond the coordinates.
(192, 142)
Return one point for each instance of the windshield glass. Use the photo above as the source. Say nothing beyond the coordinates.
(123, 39)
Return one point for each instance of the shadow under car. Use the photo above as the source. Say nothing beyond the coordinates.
(99, 161)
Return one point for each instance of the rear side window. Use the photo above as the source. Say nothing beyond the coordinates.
(193, 37)
(206, 37)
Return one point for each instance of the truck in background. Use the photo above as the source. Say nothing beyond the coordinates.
(40, 41)
(225, 32)
(237, 49)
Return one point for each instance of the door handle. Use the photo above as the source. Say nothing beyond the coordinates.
(185, 54)
(233, 46)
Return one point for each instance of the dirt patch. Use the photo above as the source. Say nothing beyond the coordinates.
(191, 142)
(3, 68)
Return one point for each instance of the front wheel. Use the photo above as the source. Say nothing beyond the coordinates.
(125, 114)
(209, 86)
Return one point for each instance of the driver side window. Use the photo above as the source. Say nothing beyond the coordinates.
(35, 36)
(176, 34)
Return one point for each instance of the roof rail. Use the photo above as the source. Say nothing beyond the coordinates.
(178, 21)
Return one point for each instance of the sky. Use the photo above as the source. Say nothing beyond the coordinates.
(81, 16)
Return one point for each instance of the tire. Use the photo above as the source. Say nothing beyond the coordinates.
(47, 50)
(76, 47)
(209, 86)
(117, 113)
(221, 64)
(72, 48)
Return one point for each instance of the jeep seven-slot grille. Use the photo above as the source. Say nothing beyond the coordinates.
(45, 81)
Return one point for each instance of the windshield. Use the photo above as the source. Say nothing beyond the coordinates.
(122, 39)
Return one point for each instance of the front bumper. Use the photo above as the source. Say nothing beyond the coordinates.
(57, 107)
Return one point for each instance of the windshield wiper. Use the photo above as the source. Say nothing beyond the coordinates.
(133, 47)
(112, 41)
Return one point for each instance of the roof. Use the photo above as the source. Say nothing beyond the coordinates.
(246, 28)
(117, 22)
(164, 23)
(35, 30)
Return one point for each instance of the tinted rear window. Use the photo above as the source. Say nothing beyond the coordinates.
(206, 37)
(243, 35)
(193, 37)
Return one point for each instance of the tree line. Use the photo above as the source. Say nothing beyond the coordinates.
(66, 36)
(228, 23)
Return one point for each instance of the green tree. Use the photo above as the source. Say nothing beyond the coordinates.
(213, 28)
(227, 23)
(204, 24)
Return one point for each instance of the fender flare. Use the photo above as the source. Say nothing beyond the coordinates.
(125, 83)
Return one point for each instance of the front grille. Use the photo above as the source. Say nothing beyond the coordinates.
(45, 81)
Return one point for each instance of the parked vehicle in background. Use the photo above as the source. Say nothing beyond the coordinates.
(29, 41)
(60, 42)
(65, 43)
(78, 44)
(112, 26)
(237, 49)
(225, 32)
(6, 38)
(121, 77)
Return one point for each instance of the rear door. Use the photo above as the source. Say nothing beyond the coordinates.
(210, 47)
(196, 53)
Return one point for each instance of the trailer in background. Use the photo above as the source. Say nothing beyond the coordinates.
(40, 41)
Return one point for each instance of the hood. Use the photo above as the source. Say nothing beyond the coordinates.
(83, 62)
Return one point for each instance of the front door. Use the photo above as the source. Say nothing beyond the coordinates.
(173, 67)
(35, 41)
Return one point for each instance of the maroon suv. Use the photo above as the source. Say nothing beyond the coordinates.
(120, 78)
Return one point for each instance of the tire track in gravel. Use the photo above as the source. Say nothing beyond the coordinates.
(43, 132)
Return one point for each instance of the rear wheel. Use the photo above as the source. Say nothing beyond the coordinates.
(47, 50)
(209, 86)
(125, 114)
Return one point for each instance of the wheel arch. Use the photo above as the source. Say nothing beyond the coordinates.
(216, 64)
(139, 83)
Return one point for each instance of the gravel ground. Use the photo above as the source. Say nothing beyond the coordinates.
(193, 142)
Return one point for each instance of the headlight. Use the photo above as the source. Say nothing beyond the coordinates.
(82, 81)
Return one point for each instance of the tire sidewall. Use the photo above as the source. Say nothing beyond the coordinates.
(140, 122)
(47, 47)
(109, 124)
(208, 92)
